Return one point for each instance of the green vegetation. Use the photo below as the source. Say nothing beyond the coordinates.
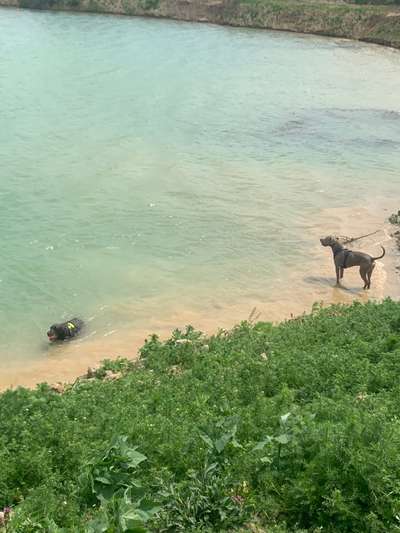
(151, 4)
(292, 427)
(375, 21)
(374, 2)
(130, 7)
(395, 218)
(49, 4)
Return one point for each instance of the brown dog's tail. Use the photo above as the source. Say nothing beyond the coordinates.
(380, 257)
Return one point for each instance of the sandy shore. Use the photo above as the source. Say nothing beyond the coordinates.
(313, 281)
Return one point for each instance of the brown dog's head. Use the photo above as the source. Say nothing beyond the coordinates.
(56, 333)
(330, 240)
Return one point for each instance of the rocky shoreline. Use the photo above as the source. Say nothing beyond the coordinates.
(378, 24)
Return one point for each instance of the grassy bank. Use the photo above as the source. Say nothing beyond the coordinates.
(376, 21)
(265, 428)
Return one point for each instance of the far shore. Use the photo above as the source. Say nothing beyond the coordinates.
(379, 24)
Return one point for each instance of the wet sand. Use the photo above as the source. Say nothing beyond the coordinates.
(308, 282)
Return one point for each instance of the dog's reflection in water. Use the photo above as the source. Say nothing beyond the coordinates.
(317, 280)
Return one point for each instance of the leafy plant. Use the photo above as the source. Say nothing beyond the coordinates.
(224, 434)
(122, 515)
(332, 463)
(114, 472)
(280, 441)
(113, 482)
(208, 498)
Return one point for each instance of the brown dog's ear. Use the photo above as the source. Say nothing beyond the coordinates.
(57, 331)
(333, 238)
(52, 333)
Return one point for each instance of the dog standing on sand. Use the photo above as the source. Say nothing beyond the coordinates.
(344, 258)
(65, 330)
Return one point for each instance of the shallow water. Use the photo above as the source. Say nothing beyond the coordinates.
(155, 173)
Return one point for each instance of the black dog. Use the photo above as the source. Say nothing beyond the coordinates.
(66, 330)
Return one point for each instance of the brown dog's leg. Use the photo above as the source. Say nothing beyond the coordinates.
(370, 274)
(341, 272)
(364, 277)
(337, 275)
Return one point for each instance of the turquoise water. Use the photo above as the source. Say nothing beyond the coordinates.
(149, 163)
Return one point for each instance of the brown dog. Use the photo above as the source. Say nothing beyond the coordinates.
(344, 258)
(65, 331)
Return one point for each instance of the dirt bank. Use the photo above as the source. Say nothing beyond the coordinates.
(377, 24)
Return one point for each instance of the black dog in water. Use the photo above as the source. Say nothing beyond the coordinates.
(66, 330)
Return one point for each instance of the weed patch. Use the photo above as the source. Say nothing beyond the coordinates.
(292, 427)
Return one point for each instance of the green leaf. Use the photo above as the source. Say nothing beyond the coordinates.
(129, 525)
(97, 525)
(135, 457)
(211, 467)
(285, 417)
(52, 526)
(104, 480)
(105, 492)
(133, 519)
(133, 492)
(149, 507)
(260, 445)
(207, 440)
(283, 439)
(223, 441)
(236, 444)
